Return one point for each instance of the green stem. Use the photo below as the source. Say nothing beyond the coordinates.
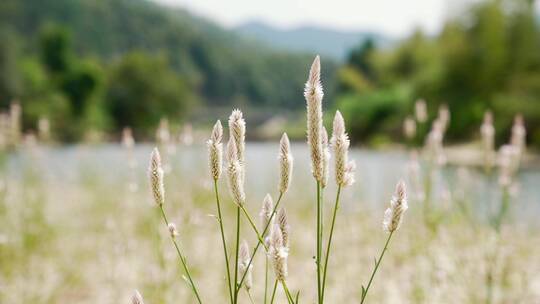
(329, 245)
(365, 291)
(274, 292)
(259, 242)
(259, 237)
(236, 252)
(317, 250)
(182, 258)
(287, 293)
(265, 279)
(223, 240)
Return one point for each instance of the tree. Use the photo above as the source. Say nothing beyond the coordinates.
(55, 49)
(9, 74)
(360, 58)
(142, 88)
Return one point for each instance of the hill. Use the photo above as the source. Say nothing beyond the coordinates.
(221, 66)
(333, 43)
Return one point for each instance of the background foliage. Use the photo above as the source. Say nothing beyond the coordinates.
(101, 65)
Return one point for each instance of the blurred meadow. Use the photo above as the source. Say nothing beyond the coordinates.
(89, 88)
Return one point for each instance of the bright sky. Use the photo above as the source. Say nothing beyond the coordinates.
(391, 17)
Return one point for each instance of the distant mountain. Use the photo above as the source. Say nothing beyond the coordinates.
(221, 65)
(326, 42)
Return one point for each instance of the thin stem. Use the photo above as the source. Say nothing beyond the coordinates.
(182, 258)
(249, 296)
(259, 242)
(259, 237)
(318, 249)
(226, 255)
(236, 252)
(329, 245)
(287, 293)
(265, 279)
(274, 292)
(365, 291)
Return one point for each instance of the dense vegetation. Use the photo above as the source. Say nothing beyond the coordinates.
(486, 58)
(104, 64)
(101, 65)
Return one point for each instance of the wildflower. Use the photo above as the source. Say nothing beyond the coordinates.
(266, 212)
(420, 110)
(340, 143)
(409, 128)
(237, 131)
(234, 173)
(243, 262)
(283, 223)
(136, 298)
(393, 216)
(172, 230)
(215, 151)
(313, 94)
(326, 158)
(518, 133)
(155, 172)
(285, 163)
(278, 253)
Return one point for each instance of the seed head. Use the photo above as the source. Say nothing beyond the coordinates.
(518, 133)
(127, 138)
(340, 142)
(444, 116)
(313, 94)
(420, 110)
(266, 212)
(172, 230)
(409, 127)
(285, 163)
(278, 253)
(283, 223)
(237, 131)
(155, 172)
(393, 216)
(243, 262)
(136, 298)
(215, 151)
(326, 157)
(235, 174)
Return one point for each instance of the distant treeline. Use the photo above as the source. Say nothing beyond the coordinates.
(487, 58)
(100, 65)
(97, 66)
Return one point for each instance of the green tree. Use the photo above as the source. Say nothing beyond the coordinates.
(361, 56)
(55, 49)
(10, 86)
(142, 88)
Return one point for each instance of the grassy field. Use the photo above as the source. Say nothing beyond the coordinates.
(78, 225)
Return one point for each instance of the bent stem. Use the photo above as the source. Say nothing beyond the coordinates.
(259, 237)
(226, 255)
(287, 293)
(329, 245)
(378, 262)
(259, 242)
(182, 258)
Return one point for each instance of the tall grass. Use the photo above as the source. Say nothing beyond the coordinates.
(276, 236)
